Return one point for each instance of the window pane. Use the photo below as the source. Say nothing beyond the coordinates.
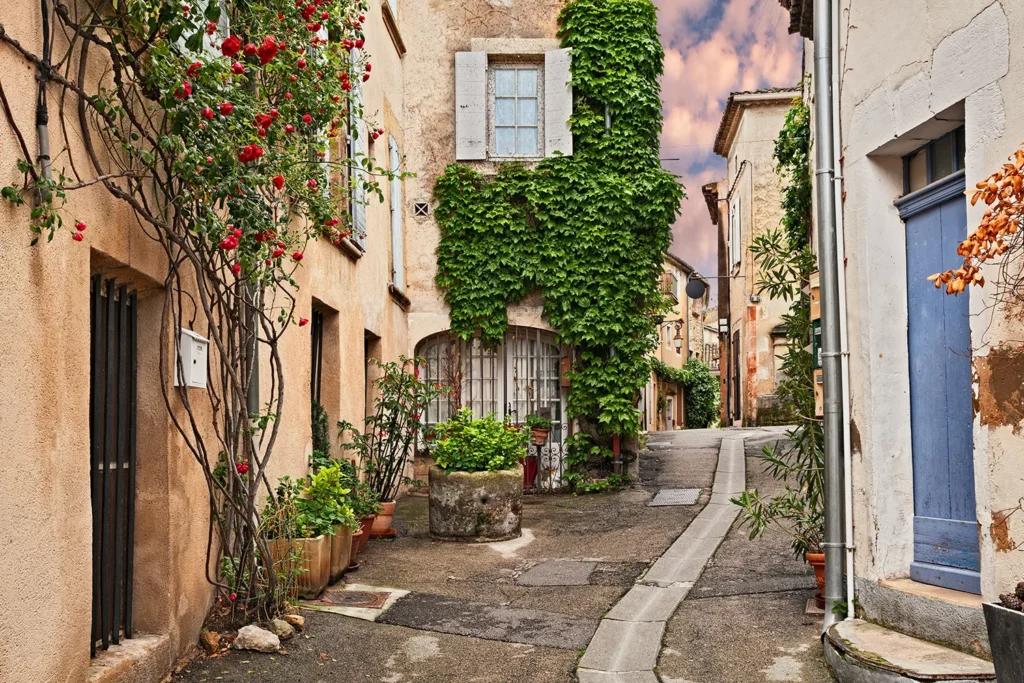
(527, 142)
(504, 111)
(505, 141)
(942, 157)
(505, 82)
(527, 112)
(918, 171)
(961, 144)
(527, 82)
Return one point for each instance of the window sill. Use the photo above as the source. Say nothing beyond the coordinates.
(349, 247)
(399, 296)
(391, 23)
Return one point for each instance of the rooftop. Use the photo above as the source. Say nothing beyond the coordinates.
(738, 102)
(801, 16)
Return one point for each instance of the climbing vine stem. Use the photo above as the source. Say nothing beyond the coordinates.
(588, 231)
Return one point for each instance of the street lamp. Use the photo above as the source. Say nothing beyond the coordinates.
(678, 339)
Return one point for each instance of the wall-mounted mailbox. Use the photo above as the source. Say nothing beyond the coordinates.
(195, 351)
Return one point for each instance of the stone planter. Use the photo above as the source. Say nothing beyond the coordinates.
(1006, 636)
(476, 506)
(312, 562)
(341, 551)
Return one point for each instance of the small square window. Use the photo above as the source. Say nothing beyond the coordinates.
(420, 209)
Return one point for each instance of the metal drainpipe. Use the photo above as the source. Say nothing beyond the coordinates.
(833, 545)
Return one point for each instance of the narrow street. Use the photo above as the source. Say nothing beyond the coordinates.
(527, 610)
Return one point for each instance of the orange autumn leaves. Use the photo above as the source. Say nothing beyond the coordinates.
(1003, 192)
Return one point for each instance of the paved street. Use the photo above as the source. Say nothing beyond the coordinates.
(527, 610)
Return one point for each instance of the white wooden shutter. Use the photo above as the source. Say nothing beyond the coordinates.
(397, 255)
(470, 106)
(357, 157)
(557, 102)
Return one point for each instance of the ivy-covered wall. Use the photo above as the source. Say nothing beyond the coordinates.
(589, 232)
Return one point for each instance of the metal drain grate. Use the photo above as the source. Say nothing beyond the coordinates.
(346, 598)
(670, 497)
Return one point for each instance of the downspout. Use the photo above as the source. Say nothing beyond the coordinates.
(833, 544)
(844, 337)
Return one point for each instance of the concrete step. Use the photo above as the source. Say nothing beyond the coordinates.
(862, 652)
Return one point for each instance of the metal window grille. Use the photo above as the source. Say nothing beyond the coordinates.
(112, 427)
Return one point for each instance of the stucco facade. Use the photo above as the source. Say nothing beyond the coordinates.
(745, 204)
(911, 74)
(46, 570)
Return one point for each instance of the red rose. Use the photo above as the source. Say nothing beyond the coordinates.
(237, 232)
(77, 236)
(303, 322)
(360, 42)
(273, 113)
(268, 50)
(231, 45)
(287, 95)
(289, 128)
(226, 109)
(263, 120)
(233, 597)
(249, 50)
(211, 28)
(193, 68)
(250, 153)
(301, 63)
(366, 77)
(236, 269)
(311, 184)
(80, 226)
(237, 69)
(278, 253)
(229, 243)
(307, 119)
(242, 467)
(208, 113)
(369, 67)
(297, 256)
(278, 181)
(184, 91)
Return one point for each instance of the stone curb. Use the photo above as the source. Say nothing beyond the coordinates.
(627, 643)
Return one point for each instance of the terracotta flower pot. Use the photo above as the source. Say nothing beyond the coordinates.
(357, 540)
(540, 436)
(365, 524)
(382, 524)
(309, 560)
(817, 562)
(341, 551)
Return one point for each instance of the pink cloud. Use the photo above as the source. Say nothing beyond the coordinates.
(713, 48)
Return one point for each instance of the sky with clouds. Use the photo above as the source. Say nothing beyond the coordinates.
(713, 48)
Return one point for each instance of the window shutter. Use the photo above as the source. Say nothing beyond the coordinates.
(557, 102)
(357, 157)
(470, 106)
(397, 255)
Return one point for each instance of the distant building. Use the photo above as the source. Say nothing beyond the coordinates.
(746, 203)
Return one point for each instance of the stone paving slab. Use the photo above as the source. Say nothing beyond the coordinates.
(558, 573)
(648, 603)
(715, 521)
(624, 646)
(588, 676)
(732, 483)
(479, 620)
(667, 497)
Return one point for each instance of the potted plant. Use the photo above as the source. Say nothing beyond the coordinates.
(297, 540)
(475, 489)
(385, 444)
(325, 503)
(1005, 622)
(539, 428)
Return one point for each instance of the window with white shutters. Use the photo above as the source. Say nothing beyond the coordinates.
(357, 159)
(509, 110)
(397, 246)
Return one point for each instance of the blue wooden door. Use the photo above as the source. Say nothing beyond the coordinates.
(945, 520)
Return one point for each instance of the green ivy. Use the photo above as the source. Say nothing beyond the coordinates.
(700, 388)
(589, 232)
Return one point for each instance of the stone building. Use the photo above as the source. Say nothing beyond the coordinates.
(744, 204)
(443, 74)
(926, 109)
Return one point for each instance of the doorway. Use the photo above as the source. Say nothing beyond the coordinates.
(939, 342)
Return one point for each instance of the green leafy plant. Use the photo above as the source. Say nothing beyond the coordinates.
(361, 498)
(324, 504)
(700, 389)
(385, 444)
(468, 444)
(537, 422)
(588, 231)
(581, 451)
(786, 261)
